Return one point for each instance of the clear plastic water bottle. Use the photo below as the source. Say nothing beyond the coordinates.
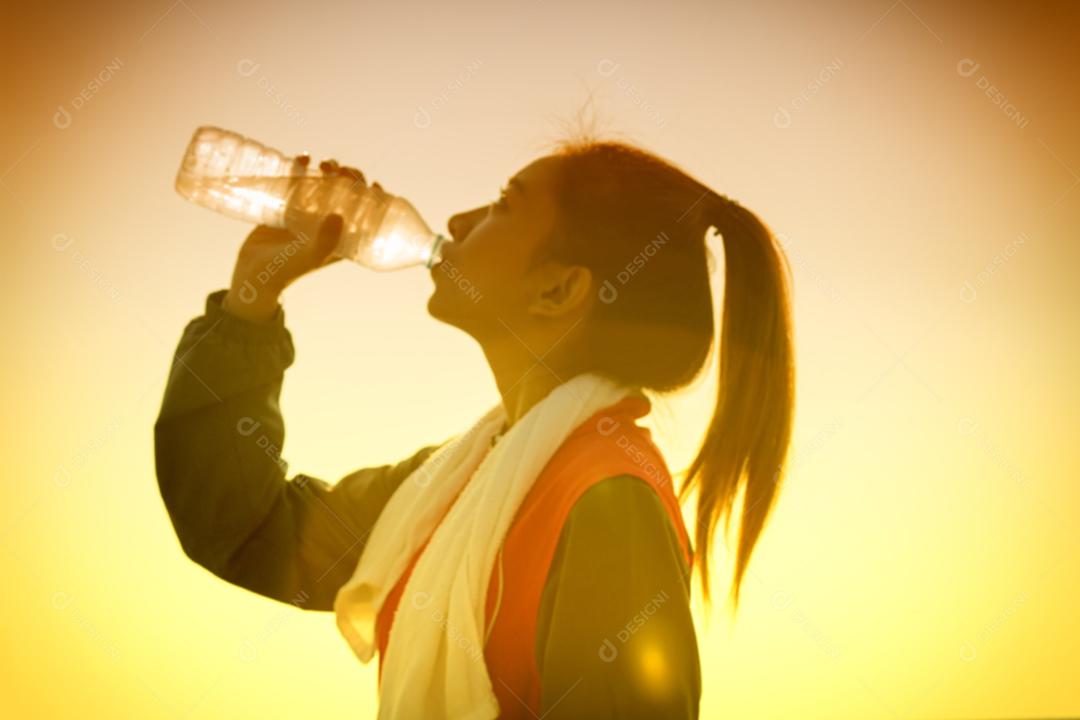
(244, 179)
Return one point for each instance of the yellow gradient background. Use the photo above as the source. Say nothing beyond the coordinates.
(919, 161)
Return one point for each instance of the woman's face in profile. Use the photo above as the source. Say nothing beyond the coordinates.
(484, 284)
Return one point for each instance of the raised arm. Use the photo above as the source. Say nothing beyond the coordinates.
(217, 443)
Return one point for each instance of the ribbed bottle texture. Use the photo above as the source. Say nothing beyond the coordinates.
(244, 179)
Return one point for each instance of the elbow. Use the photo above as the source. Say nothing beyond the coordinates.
(188, 516)
(203, 549)
(177, 481)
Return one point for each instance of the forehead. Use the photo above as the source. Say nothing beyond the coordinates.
(537, 179)
(536, 206)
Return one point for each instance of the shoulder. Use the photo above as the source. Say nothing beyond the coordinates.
(620, 519)
(621, 503)
(621, 488)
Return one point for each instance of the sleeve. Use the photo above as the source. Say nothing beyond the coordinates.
(615, 637)
(217, 446)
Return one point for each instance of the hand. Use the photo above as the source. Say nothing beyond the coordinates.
(271, 259)
(314, 198)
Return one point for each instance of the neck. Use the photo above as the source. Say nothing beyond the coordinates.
(522, 384)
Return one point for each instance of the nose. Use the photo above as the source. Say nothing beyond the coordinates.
(462, 223)
(454, 226)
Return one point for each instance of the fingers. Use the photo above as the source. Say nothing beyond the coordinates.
(300, 164)
(331, 168)
(299, 168)
(353, 174)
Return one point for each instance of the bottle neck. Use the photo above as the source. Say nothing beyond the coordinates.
(436, 250)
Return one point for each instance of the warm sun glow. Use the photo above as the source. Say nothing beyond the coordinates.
(918, 162)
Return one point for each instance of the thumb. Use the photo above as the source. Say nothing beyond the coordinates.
(329, 234)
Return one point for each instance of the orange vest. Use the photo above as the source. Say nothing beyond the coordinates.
(607, 444)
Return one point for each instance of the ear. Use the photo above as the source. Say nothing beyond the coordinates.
(560, 289)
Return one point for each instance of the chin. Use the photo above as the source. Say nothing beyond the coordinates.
(436, 307)
(433, 305)
(461, 318)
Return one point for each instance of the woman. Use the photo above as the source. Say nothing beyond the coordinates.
(592, 263)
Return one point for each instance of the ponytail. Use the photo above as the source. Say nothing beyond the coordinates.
(748, 435)
(613, 198)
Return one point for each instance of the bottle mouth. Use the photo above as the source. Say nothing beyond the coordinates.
(436, 251)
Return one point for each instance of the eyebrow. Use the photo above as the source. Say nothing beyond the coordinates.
(515, 183)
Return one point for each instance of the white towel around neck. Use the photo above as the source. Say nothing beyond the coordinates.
(434, 666)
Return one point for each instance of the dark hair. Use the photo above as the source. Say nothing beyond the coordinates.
(639, 223)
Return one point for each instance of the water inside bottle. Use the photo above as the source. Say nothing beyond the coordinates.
(259, 200)
(381, 231)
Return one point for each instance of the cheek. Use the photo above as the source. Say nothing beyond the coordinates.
(473, 282)
(497, 271)
(501, 285)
